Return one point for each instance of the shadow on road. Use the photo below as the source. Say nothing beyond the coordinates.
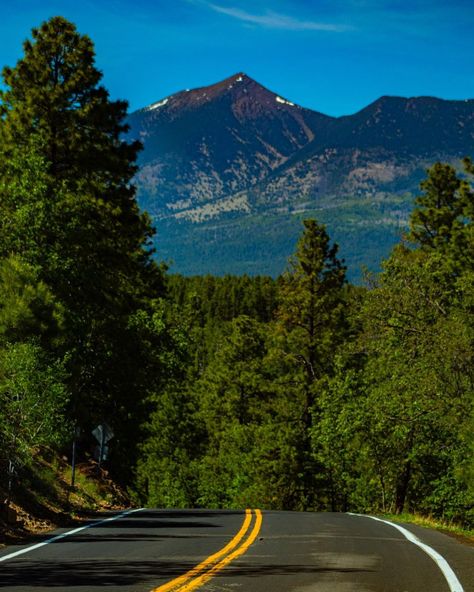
(157, 519)
(165, 514)
(136, 524)
(92, 574)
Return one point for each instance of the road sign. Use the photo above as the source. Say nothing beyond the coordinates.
(103, 433)
(100, 454)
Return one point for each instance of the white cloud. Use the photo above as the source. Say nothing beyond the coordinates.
(275, 20)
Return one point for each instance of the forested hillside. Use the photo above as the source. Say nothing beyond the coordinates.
(342, 398)
(303, 393)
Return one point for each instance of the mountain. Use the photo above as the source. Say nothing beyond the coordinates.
(228, 172)
(206, 144)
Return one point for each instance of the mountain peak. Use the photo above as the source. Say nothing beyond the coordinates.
(236, 83)
(240, 77)
(229, 169)
(242, 91)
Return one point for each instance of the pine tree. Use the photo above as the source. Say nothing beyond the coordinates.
(68, 206)
(312, 325)
(311, 300)
(55, 111)
(418, 341)
(438, 209)
(442, 219)
(54, 92)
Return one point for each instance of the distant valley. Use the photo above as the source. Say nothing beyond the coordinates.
(229, 171)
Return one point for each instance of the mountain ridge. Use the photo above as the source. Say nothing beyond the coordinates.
(236, 153)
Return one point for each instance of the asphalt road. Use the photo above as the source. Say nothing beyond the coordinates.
(286, 551)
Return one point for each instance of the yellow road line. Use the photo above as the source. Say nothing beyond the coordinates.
(202, 579)
(210, 560)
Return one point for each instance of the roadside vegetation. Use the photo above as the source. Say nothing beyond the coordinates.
(302, 392)
(450, 528)
(45, 500)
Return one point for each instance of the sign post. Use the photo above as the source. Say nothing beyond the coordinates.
(103, 433)
(77, 433)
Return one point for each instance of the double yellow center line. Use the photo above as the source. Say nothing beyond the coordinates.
(207, 569)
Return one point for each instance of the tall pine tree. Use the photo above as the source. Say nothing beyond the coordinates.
(70, 209)
(312, 325)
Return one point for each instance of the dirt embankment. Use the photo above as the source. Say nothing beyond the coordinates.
(43, 499)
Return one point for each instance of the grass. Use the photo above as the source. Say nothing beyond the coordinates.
(429, 522)
(90, 493)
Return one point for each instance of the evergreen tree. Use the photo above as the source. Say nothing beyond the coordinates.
(311, 301)
(68, 206)
(28, 309)
(33, 394)
(442, 219)
(419, 341)
(312, 325)
(54, 92)
(417, 379)
(438, 209)
(237, 406)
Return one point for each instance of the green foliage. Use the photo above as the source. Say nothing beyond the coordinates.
(68, 209)
(232, 400)
(419, 338)
(32, 402)
(311, 325)
(420, 381)
(54, 93)
(439, 209)
(238, 424)
(345, 398)
(311, 303)
(27, 306)
(299, 393)
(164, 473)
(224, 298)
(442, 219)
(33, 394)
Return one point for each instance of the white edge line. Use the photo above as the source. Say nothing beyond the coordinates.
(68, 533)
(453, 582)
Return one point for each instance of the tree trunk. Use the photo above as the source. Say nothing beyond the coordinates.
(402, 488)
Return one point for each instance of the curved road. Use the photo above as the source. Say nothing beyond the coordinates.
(218, 551)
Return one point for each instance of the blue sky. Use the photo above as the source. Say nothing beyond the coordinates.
(335, 56)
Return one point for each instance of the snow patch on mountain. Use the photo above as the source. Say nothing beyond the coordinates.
(284, 101)
(156, 105)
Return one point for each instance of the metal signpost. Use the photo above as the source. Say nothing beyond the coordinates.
(77, 433)
(103, 433)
